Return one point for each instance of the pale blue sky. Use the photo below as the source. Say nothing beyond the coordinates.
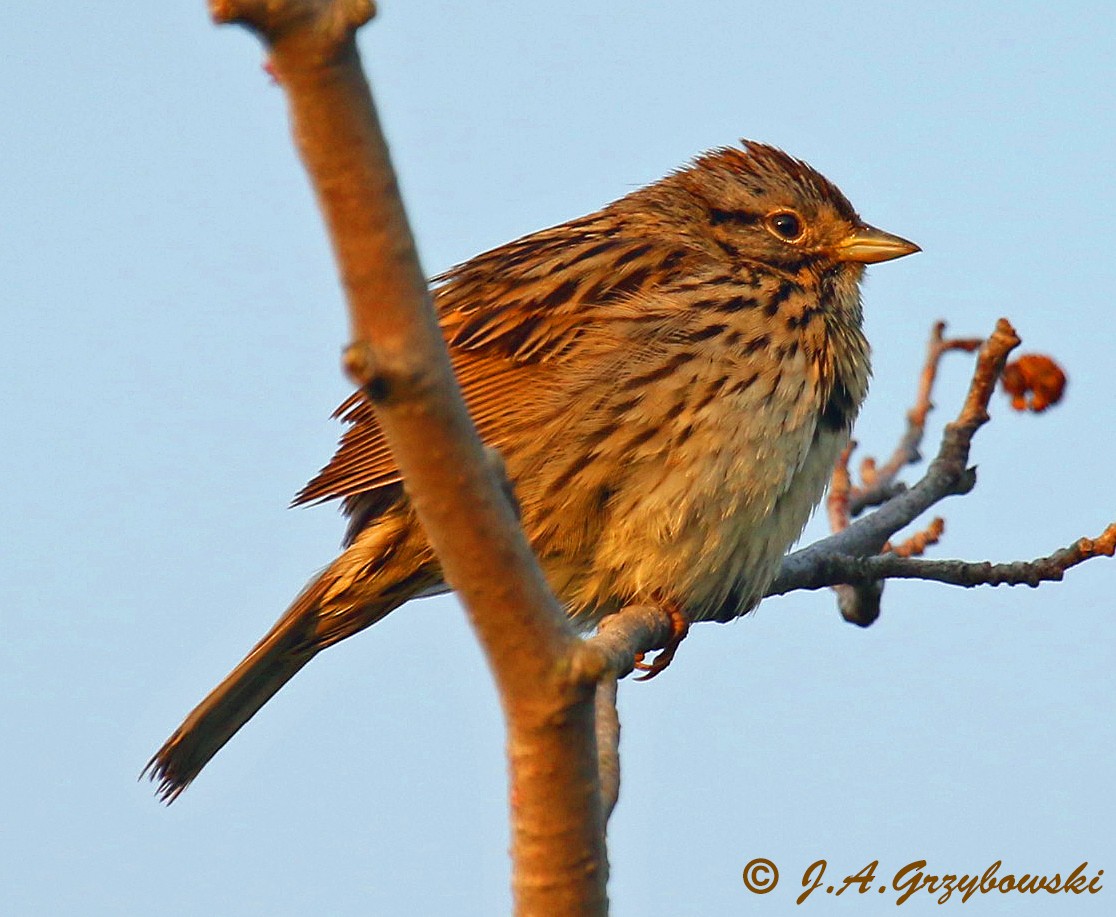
(170, 362)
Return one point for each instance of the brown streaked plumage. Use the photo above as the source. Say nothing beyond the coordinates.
(669, 381)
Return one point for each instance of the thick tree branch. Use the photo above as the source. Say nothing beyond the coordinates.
(399, 358)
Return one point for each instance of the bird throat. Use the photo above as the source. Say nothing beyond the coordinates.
(846, 363)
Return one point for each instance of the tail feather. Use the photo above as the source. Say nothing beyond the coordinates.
(275, 660)
(386, 565)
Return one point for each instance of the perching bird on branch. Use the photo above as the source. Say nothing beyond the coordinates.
(669, 381)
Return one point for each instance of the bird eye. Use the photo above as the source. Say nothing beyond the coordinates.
(785, 225)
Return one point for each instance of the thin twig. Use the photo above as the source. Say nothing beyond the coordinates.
(838, 568)
(608, 744)
(860, 605)
(879, 482)
(840, 490)
(851, 558)
(948, 474)
(916, 545)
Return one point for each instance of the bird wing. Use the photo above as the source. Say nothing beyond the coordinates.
(363, 461)
(510, 317)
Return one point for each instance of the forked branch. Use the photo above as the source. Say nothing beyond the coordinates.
(859, 556)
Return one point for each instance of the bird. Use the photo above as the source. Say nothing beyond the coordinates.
(669, 381)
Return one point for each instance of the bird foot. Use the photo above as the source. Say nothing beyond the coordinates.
(679, 627)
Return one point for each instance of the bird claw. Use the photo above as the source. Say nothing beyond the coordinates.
(679, 627)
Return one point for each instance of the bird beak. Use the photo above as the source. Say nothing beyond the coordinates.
(867, 245)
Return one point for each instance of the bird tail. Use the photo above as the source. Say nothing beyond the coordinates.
(294, 640)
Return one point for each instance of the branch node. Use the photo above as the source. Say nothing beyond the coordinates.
(965, 482)
(335, 20)
(499, 471)
(622, 636)
(359, 363)
(860, 605)
(588, 663)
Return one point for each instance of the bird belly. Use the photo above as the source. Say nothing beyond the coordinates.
(705, 512)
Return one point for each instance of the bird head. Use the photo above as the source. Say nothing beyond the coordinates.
(762, 205)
